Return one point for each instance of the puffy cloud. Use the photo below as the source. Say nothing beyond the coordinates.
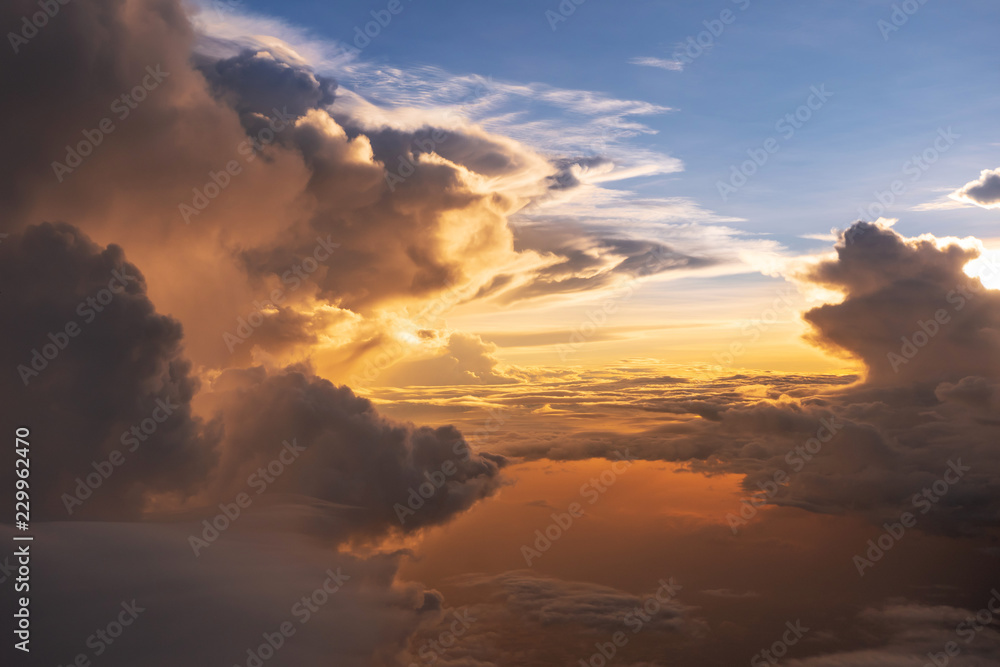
(909, 312)
(258, 83)
(94, 370)
(984, 191)
(356, 462)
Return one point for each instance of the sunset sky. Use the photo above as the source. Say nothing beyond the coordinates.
(400, 333)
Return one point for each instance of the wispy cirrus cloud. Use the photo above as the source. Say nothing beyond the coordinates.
(660, 63)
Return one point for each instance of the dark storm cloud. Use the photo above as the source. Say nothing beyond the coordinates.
(909, 312)
(353, 456)
(258, 83)
(984, 191)
(88, 361)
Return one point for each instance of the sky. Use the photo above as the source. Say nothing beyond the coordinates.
(403, 333)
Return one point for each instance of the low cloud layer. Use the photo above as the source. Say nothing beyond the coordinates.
(928, 336)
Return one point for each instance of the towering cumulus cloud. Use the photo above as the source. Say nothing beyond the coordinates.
(909, 312)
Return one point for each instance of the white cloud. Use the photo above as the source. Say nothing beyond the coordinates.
(661, 63)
